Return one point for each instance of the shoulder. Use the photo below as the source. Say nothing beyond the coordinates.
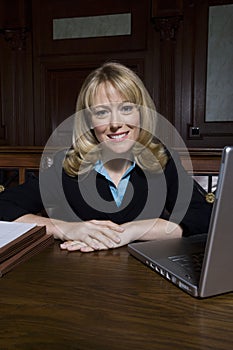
(59, 157)
(173, 161)
(52, 167)
(53, 160)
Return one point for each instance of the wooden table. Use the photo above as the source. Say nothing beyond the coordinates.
(105, 301)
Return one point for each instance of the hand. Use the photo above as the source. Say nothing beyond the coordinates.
(150, 229)
(90, 235)
(83, 247)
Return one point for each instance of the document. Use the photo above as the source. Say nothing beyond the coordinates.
(9, 231)
(20, 241)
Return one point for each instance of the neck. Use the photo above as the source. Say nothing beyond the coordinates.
(116, 162)
(117, 167)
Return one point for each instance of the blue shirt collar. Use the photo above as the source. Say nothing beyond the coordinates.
(99, 168)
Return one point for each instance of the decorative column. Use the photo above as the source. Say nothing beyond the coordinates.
(15, 37)
(166, 18)
(14, 78)
(16, 74)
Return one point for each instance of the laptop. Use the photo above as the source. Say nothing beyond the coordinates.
(200, 265)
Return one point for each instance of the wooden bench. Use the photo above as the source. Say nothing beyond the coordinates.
(20, 160)
(205, 162)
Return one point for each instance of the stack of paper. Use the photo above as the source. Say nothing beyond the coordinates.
(20, 241)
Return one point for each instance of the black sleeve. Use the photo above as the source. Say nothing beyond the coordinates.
(21, 200)
(26, 198)
(193, 214)
(197, 217)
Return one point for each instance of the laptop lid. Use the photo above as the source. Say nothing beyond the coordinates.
(218, 258)
(216, 276)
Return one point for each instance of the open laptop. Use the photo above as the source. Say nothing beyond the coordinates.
(174, 258)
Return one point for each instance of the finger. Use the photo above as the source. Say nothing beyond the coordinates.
(105, 235)
(86, 249)
(65, 244)
(81, 248)
(102, 238)
(72, 245)
(100, 245)
(109, 224)
(105, 229)
(111, 235)
(92, 241)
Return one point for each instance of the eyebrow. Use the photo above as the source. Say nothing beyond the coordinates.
(110, 103)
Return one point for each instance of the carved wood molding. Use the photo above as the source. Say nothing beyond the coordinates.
(167, 26)
(15, 37)
(205, 160)
(2, 132)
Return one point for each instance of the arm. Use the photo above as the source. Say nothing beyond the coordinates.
(149, 229)
(192, 217)
(196, 211)
(22, 203)
(92, 233)
(21, 200)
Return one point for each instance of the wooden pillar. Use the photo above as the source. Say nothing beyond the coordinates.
(166, 17)
(16, 97)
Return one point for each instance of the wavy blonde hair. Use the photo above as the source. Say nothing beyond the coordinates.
(148, 153)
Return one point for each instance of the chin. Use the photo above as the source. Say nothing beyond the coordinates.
(119, 147)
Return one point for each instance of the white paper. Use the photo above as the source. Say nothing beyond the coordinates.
(9, 231)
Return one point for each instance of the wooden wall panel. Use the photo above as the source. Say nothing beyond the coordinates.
(60, 82)
(193, 80)
(60, 66)
(16, 94)
(40, 77)
(45, 11)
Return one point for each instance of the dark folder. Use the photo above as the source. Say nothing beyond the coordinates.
(23, 247)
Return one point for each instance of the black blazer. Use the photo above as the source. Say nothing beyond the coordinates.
(89, 197)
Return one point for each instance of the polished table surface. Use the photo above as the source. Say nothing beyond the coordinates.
(105, 301)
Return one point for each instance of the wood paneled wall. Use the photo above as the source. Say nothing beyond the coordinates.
(41, 77)
(16, 163)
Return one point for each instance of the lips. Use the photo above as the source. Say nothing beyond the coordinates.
(119, 136)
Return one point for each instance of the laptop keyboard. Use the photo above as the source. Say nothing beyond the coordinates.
(192, 263)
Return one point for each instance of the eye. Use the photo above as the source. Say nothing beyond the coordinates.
(100, 113)
(127, 108)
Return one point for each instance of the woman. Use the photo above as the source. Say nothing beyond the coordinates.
(118, 183)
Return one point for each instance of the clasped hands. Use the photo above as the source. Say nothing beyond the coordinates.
(88, 236)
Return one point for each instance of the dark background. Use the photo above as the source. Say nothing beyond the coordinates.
(40, 77)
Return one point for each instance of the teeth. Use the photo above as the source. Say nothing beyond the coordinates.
(117, 136)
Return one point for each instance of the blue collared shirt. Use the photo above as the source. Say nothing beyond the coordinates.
(119, 191)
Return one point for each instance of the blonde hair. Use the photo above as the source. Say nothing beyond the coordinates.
(148, 153)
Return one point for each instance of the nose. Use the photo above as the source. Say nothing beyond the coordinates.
(116, 120)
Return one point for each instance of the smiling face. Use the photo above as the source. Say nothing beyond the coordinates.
(116, 122)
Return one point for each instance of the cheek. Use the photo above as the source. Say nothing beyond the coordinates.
(135, 121)
(135, 124)
(99, 132)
